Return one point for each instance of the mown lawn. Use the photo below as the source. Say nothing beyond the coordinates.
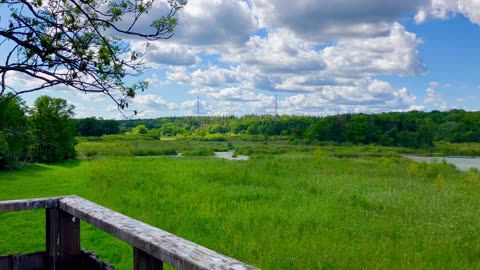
(295, 210)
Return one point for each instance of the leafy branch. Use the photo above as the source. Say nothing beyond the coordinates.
(77, 43)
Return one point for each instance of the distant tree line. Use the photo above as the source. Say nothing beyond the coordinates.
(96, 127)
(414, 129)
(46, 132)
(43, 133)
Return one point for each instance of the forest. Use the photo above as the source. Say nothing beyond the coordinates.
(414, 129)
(43, 133)
(46, 132)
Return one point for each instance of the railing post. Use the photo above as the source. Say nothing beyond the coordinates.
(62, 240)
(144, 261)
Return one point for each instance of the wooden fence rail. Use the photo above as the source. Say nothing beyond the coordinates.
(151, 246)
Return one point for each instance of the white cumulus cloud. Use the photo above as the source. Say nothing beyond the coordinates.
(326, 20)
(445, 9)
(215, 22)
(395, 53)
(155, 102)
(433, 96)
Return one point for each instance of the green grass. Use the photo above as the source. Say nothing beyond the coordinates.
(145, 146)
(460, 149)
(301, 208)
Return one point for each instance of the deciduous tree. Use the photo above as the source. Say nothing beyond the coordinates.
(53, 128)
(78, 43)
(14, 136)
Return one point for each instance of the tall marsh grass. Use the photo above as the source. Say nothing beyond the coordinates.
(306, 209)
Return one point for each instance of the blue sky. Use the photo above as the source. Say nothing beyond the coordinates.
(315, 57)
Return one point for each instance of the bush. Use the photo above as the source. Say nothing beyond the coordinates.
(198, 153)
(153, 152)
(91, 153)
(318, 153)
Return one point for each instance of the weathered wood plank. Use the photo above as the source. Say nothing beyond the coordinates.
(62, 240)
(28, 204)
(33, 261)
(169, 248)
(144, 261)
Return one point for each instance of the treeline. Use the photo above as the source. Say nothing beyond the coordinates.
(46, 132)
(43, 133)
(413, 129)
(93, 126)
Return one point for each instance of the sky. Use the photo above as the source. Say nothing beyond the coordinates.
(305, 57)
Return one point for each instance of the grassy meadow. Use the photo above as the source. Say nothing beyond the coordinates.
(289, 206)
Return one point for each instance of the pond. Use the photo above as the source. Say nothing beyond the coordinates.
(229, 155)
(463, 163)
(225, 155)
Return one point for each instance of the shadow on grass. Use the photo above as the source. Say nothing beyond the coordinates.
(26, 169)
(71, 163)
(34, 170)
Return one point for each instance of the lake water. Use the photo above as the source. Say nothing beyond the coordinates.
(225, 155)
(462, 163)
(229, 155)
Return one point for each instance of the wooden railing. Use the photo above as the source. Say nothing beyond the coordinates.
(151, 246)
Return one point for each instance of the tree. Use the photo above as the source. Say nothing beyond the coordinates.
(110, 127)
(361, 129)
(14, 136)
(140, 130)
(53, 128)
(76, 43)
(90, 126)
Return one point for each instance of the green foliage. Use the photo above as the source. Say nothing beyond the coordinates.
(145, 145)
(274, 211)
(361, 129)
(122, 137)
(139, 130)
(318, 153)
(153, 152)
(416, 130)
(54, 130)
(423, 170)
(412, 129)
(47, 135)
(75, 43)
(198, 152)
(14, 134)
(96, 127)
